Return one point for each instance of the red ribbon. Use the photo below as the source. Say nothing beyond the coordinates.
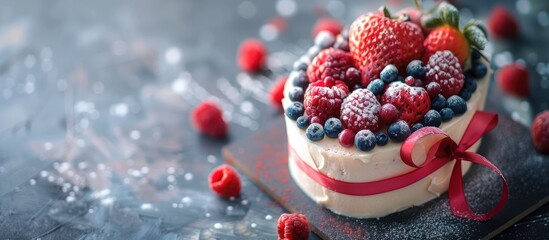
(442, 152)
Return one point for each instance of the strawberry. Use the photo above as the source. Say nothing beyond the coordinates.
(502, 24)
(323, 98)
(514, 79)
(208, 119)
(540, 132)
(330, 62)
(292, 227)
(447, 36)
(276, 93)
(411, 102)
(443, 68)
(331, 25)
(376, 40)
(360, 111)
(252, 55)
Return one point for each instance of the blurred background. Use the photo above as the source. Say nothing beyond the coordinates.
(96, 140)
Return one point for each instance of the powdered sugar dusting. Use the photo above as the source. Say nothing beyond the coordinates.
(360, 110)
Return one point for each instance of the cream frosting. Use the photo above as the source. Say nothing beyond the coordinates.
(353, 165)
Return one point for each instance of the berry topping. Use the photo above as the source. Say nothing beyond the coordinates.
(315, 132)
(317, 119)
(438, 102)
(365, 140)
(293, 227)
(432, 118)
(388, 113)
(514, 79)
(416, 127)
(360, 110)
(330, 25)
(469, 87)
(389, 74)
(399, 131)
(416, 69)
(312, 52)
(332, 127)
(540, 132)
(341, 43)
(346, 138)
(376, 40)
(303, 122)
(479, 70)
(433, 89)
(352, 76)
(208, 119)
(376, 87)
(299, 79)
(457, 104)
(444, 69)
(446, 114)
(323, 100)
(330, 62)
(410, 81)
(502, 23)
(324, 39)
(295, 110)
(301, 64)
(252, 55)
(382, 139)
(225, 181)
(296, 94)
(276, 94)
(411, 102)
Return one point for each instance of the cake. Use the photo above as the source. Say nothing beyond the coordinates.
(352, 100)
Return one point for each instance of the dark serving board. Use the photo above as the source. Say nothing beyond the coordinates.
(263, 158)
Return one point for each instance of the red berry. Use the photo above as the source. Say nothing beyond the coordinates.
(318, 120)
(444, 68)
(346, 138)
(276, 94)
(448, 38)
(252, 55)
(208, 119)
(293, 227)
(411, 102)
(418, 83)
(331, 25)
(388, 113)
(330, 62)
(323, 101)
(502, 23)
(433, 88)
(415, 17)
(360, 110)
(352, 76)
(225, 181)
(540, 132)
(514, 79)
(409, 81)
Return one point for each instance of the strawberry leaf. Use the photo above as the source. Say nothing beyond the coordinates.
(385, 11)
(449, 14)
(475, 36)
(430, 21)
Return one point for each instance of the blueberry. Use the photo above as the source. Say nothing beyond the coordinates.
(299, 79)
(479, 70)
(303, 122)
(324, 39)
(365, 140)
(401, 79)
(333, 127)
(357, 86)
(382, 138)
(399, 131)
(389, 73)
(416, 69)
(438, 102)
(341, 43)
(432, 118)
(301, 65)
(457, 104)
(416, 127)
(446, 114)
(345, 34)
(312, 52)
(296, 94)
(465, 94)
(475, 55)
(315, 132)
(295, 110)
(376, 87)
(470, 85)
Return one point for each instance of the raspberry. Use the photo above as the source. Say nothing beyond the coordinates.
(514, 79)
(276, 94)
(225, 181)
(388, 113)
(252, 55)
(330, 62)
(444, 68)
(331, 25)
(293, 227)
(411, 102)
(540, 132)
(323, 100)
(502, 24)
(433, 88)
(360, 110)
(208, 119)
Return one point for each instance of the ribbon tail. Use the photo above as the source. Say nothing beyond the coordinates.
(458, 203)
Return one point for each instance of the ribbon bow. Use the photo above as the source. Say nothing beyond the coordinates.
(447, 150)
(442, 152)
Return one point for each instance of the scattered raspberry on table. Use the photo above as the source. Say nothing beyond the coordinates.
(540, 132)
(276, 94)
(293, 227)
(252, 55)
(514, 79)
(225, 181)
(502, 23)
(207, 118)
